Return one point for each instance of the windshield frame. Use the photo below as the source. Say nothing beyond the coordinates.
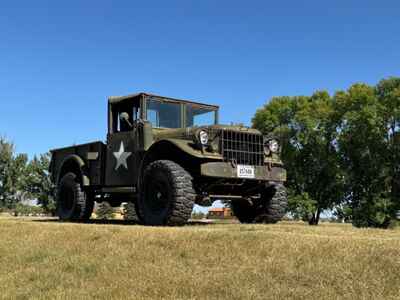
(183, 108)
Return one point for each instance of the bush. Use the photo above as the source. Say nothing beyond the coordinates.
(394, 224)
(198, 215)
(301, 206)
(27, 210)
(378, 213)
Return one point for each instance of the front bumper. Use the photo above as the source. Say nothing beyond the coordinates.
(227, 170)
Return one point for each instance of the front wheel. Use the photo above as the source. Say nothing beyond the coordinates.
(167, 195)
(269, 209)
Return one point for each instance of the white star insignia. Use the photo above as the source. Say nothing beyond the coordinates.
(121, 157)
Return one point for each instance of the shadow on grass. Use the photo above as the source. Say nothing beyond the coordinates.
(92, 221)
(116, 222)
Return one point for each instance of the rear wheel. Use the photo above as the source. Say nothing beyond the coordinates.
(73, 204)
(167, 195)
(269, 209)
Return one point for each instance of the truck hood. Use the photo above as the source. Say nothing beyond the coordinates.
(190, 132)
(186, 139)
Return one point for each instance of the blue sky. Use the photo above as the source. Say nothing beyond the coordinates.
(59, 60)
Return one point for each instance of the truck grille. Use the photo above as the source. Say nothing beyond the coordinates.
(242, 147)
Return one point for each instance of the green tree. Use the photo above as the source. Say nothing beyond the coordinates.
(38, 182)
(12, 175)
(343, 212)
(388, 94)
(363, 147)
(6, 156)
(306, 127)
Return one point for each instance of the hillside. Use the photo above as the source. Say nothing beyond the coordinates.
(48, 260)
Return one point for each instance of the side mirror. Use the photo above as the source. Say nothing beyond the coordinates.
(125, 117)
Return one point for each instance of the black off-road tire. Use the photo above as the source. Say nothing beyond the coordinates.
(276, 204)
(167, 196)
(270, 209)
(73, 204)
(129, 212)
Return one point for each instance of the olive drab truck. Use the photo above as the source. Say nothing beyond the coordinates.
(164, 155)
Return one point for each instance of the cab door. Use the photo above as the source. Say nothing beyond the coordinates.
(120, 164)
(122, 145)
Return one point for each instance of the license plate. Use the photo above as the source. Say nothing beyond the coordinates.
(245, 171)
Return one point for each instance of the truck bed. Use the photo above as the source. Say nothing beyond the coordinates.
(93, 154)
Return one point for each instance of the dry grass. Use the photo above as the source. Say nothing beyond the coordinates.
(51, 260)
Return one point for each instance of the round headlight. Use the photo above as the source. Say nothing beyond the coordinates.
(203, 137)
(273, 146)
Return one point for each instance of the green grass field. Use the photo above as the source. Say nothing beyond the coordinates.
(51, 260)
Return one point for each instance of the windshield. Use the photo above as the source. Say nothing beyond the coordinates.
(164, 114)
(197, 115)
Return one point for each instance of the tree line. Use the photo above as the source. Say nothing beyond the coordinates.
(341, 151)
(22, 179)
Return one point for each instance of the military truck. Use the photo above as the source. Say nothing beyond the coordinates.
(164, 155)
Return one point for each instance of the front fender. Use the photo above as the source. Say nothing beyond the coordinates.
(189, 147)
(172, 149)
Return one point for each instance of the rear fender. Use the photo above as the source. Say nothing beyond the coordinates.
(74, 163)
